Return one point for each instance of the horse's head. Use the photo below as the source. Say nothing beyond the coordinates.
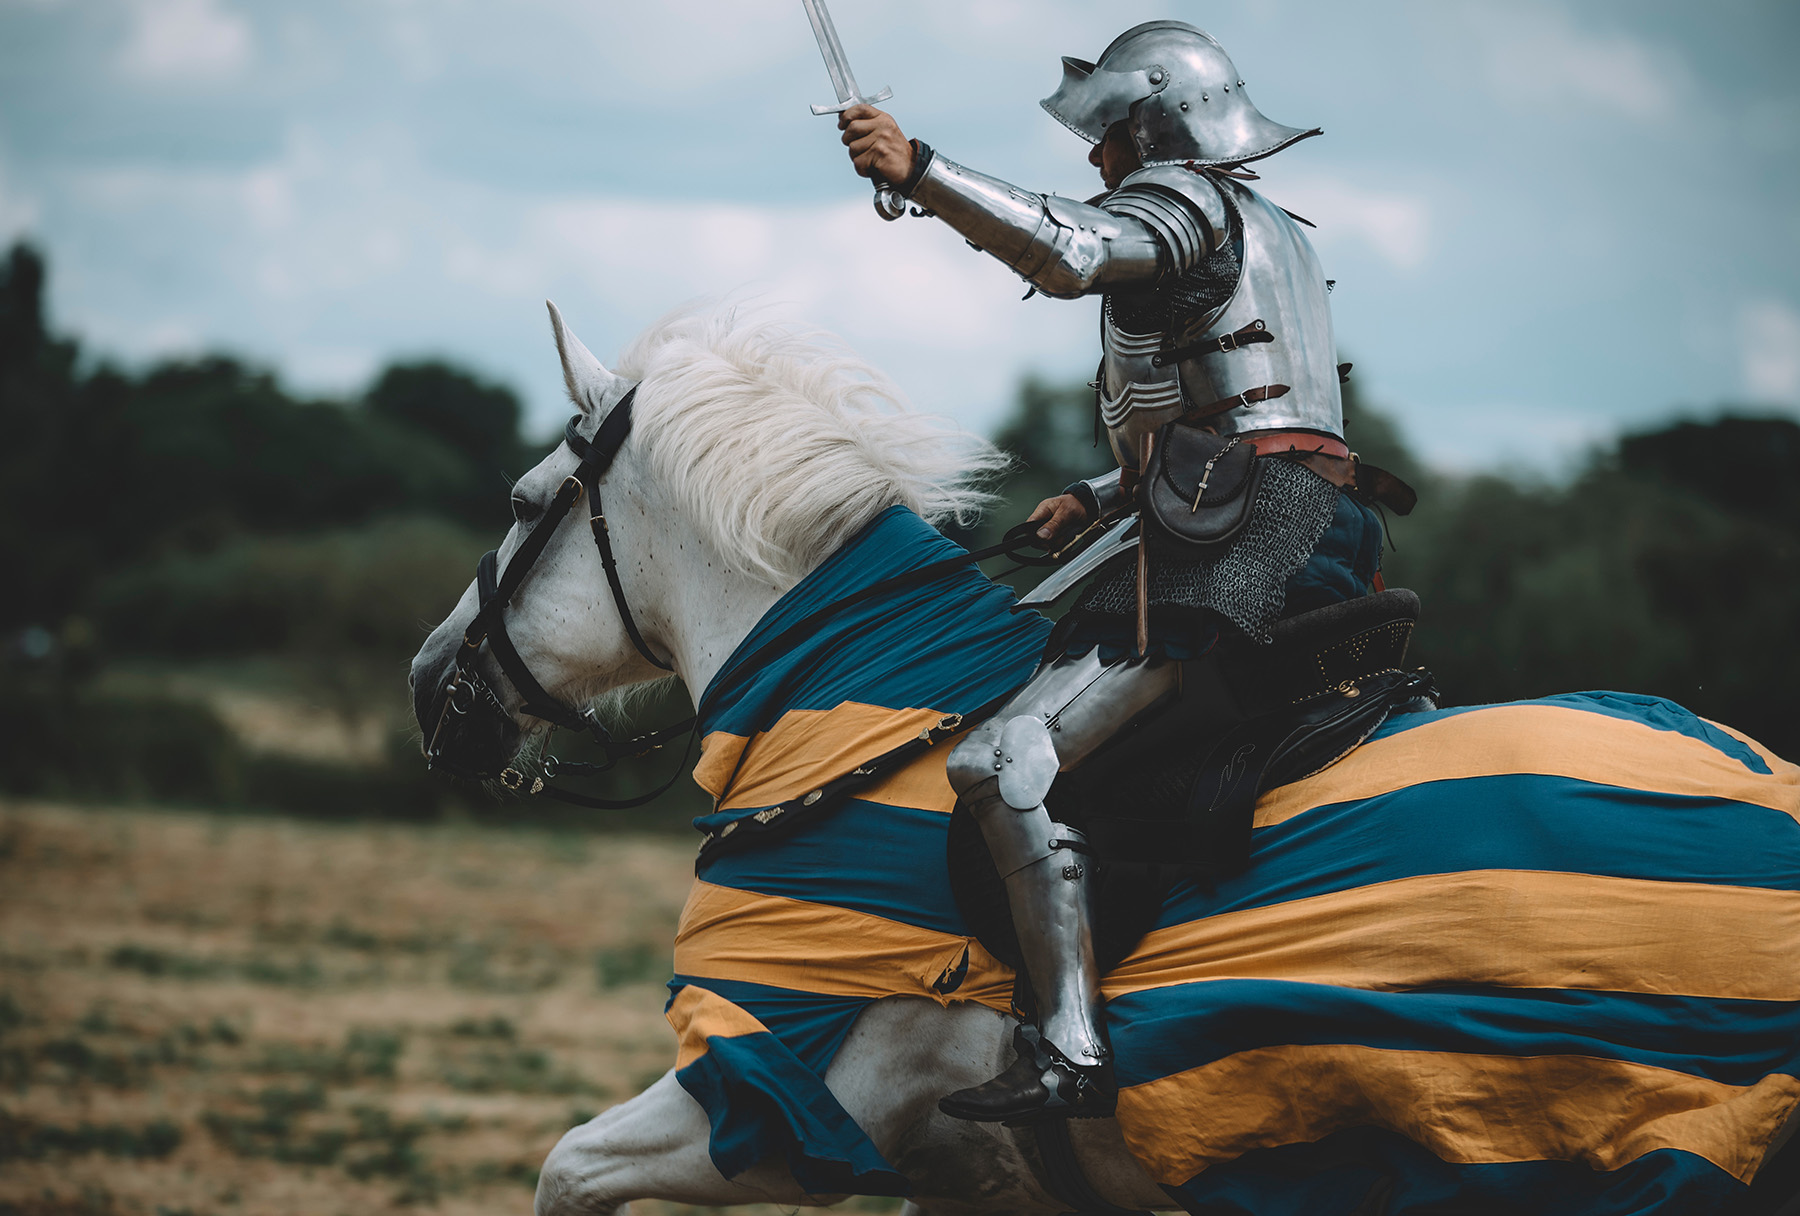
(568, 634)
(753, 450)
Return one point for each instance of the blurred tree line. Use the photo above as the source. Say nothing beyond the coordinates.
(1669, 564)
(197, 516)
(200, 513)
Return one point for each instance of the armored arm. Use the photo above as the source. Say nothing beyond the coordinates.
(1160, 221)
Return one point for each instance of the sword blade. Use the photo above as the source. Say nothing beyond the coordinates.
(825, 33)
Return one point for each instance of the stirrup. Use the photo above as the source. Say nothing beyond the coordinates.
(1040, 1084)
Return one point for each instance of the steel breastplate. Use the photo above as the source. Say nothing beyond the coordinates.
(1278, 281)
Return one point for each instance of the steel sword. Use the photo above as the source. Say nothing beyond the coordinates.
(888, 203)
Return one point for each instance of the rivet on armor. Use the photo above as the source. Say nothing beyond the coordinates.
(1156, 76)
(1072, 872)
(1206, 97)
(1240, 84)
(1184, 105)
(1228, 88)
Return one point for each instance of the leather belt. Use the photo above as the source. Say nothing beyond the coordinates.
(1254, 332)
(1269, 443)
(1245, 399)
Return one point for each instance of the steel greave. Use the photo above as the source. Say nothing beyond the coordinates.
(1054, 895)
(1049, 889)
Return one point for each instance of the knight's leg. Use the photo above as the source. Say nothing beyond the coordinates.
(1001, 772)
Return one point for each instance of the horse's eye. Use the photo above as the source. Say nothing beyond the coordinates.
(524, 510)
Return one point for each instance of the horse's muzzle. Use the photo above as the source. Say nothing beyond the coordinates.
(465, 730)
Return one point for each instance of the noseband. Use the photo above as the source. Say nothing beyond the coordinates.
(495, 590)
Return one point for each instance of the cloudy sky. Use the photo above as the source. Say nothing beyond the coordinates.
(1548, 219)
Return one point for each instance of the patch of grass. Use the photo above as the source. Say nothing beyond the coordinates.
(474, 967)
(22, 1139)
(495, 1027)
(351, 938)
(258, 969)
(373, 1144)
(486, 1173)
(637, 963)
(367, 1053)
(520, 1070)
(79, 1060)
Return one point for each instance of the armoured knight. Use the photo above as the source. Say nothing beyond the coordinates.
(1213, 307)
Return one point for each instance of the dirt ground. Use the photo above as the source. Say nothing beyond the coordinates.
(205, 1014)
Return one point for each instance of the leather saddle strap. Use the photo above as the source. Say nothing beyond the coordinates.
(1249, 397)
(1252, 333)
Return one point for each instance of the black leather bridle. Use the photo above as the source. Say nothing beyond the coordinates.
(495, 589)
(468, 692)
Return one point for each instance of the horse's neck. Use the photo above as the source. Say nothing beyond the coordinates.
(703, 607)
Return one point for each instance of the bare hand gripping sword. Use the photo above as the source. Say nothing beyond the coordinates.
(888, 203)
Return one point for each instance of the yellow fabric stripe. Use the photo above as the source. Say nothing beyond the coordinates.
(1784, 770)
(1513, 928)
(809, 747)
(1464, 1108)
(697, 1015)
(1548, 740)
(726, 933)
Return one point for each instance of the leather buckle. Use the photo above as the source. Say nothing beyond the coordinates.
(1228, 343)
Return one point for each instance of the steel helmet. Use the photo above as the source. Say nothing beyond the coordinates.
(1179, 88)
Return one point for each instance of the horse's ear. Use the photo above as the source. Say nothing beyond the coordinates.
(587, 378)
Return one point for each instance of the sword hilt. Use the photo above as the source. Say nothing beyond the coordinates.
(890, 204)
(841, 106)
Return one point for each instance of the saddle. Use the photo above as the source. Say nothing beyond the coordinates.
(1173, 794)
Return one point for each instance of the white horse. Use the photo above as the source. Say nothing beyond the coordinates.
(705, 551)
(757, 451)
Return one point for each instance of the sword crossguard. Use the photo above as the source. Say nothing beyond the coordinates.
(841, 106)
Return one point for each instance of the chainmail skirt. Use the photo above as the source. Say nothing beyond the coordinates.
(1244, 585)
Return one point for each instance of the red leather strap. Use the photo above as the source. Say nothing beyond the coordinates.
(1267, 443)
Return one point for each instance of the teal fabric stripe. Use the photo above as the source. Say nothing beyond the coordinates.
(887, 861)
(1516, 822)
(1654, 712)
(1365, 1170)
(952, 645)
(1164, 1031)
(763, 1102)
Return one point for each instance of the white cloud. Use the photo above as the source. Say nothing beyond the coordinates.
(18, 212)
(337, 254)
(1771, 351)
(182, 41)
(1535, 55)
(1395, 226)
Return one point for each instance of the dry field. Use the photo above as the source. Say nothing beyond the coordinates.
(209, 1014)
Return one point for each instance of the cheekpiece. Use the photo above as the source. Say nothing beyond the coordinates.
(1182, 92)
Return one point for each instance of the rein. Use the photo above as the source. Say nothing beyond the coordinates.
(468, 692)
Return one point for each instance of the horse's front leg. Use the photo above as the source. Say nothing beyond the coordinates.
(652, 1147)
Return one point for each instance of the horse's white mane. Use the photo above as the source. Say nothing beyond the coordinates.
(781, 442)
